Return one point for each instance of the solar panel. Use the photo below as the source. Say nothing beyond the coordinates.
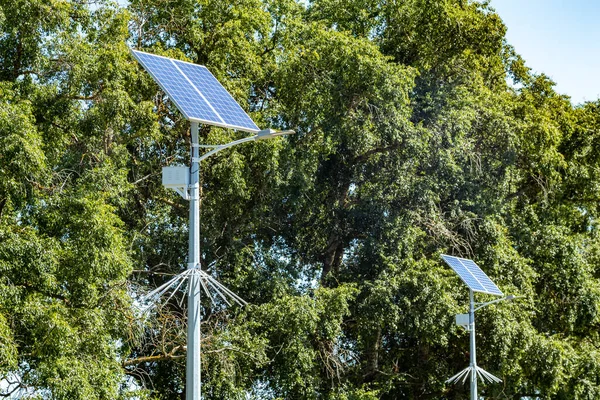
(472, 275)
(196, 92)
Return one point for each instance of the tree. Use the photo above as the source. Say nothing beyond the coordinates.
(420, 131)
(63, 247)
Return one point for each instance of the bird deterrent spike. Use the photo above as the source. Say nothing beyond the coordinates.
(208, 283)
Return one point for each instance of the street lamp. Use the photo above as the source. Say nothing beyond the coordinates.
(201, 99)
(477, 281)
(467, 321)
(193, 374)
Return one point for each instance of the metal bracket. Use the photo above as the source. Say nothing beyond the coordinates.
(191, 189)
(183, 192)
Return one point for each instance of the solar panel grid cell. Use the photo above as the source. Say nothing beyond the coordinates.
(229, 110)
(472, 275)
(196, 92)
(176, 86)
(464, 274)
(485, 281)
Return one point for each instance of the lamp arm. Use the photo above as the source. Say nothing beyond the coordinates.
(225, 146)
(481, 305)
(264, 134)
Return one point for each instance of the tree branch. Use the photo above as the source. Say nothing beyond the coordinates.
(172, 355)
(377, 150)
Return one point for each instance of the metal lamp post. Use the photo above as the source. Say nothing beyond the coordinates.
(467, 321)
(201, 99)
(193, 374)
(477, 281)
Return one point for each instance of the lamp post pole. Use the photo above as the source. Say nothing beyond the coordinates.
(473, 371)
(473, 356)
(193, 381)
(473, 363)
(476, 280)
(193, 361)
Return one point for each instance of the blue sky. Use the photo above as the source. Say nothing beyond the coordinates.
(558, 38)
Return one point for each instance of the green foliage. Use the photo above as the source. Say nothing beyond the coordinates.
(410, 143)
(20, 146)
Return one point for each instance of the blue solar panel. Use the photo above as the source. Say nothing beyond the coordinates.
(485, 281)
(196, 92)
(216, 95)
(472, 275)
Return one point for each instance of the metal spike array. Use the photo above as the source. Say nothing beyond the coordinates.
(208, 283)
(481, 373)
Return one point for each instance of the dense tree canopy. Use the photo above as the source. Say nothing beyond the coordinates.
(420, 131)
